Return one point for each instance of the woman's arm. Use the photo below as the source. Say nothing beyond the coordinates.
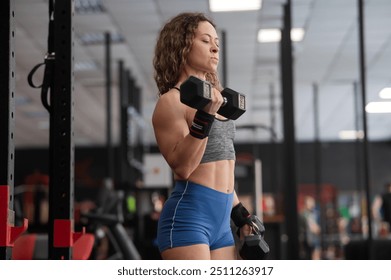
(182, 151)
(235, 200)
(246, 229)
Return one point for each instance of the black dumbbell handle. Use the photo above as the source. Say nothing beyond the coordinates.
(224, 102)
(256, 225)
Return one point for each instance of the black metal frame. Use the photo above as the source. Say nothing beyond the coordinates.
(365, 146)
(290, 184)
(109, 142)
(7, 108)
(123, 170)
(61, 186)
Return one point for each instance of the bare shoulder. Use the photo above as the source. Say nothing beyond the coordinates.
(169, 122)
(169, 105)
(170, 98)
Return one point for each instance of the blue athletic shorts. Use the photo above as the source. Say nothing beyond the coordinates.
(195, 214)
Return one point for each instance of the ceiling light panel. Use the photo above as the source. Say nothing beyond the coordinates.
(297, 34)
(89, 7)
(97, 38)
(385, 93)
(378, 107)
(273, 35)
(269, 35)
(234, 5)
(351, 134)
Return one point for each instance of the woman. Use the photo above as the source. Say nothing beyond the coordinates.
(197, 144)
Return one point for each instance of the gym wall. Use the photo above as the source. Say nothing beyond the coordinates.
(341, 164)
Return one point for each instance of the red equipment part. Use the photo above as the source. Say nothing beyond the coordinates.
(8, 232)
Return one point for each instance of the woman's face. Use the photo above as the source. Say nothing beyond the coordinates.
(204, 53)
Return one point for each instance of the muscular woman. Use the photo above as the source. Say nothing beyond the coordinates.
(197, 145)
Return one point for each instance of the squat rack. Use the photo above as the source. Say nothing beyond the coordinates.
(8, 231)
(59, 63)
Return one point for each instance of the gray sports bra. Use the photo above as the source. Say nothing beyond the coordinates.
(220, 144)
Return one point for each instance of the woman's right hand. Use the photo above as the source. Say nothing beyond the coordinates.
(216, 102)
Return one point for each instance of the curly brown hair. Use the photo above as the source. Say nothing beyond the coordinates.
(172, 48)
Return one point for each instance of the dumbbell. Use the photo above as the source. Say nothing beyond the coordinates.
(197, 93)
(254, 246)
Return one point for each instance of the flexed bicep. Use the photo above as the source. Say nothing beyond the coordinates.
(182, 151)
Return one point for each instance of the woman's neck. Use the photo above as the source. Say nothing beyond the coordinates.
(190, 72)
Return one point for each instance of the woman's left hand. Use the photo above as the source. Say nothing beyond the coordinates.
(245, 231)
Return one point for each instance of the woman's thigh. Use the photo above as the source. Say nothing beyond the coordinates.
(224, 253)
(191, 252)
